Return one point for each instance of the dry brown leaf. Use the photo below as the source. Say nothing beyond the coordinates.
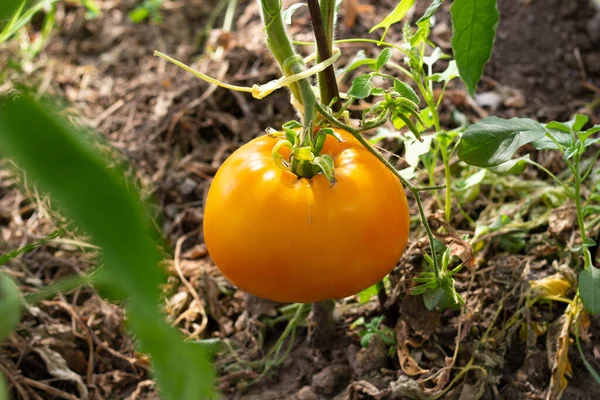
(442, 377)
(58, 368)
(557, 349)
(408, 364)
(458, 247)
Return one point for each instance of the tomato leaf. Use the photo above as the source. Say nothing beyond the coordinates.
(383, 58)
(474, 29)
(359, 60)
(8, 8)
(511, 167)
(405, 90)
(449, 73)
(589, 289)
(10, 306)
(61, 161)
(361, 87)
(432, 297)
(432, 9)
(365, 295)
(565, 140)
(475, 179)
(493, 141)
(394, 17)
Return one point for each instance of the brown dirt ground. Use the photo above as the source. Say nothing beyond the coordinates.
(176, 130)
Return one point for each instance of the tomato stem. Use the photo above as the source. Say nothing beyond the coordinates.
(323, 322)
(415, 190)
(322, 18)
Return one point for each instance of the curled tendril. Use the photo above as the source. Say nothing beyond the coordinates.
(262, 91)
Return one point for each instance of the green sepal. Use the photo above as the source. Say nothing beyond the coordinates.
(278, 157)
(322, 136)
(303, 153)
(320, 141)
(291, 132)
(325, 164)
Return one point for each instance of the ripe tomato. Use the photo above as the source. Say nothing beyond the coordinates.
(303, 240)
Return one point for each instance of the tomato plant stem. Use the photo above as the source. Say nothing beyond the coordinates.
(277, 40)
(322, 22)
(580, 221)
(323, 321)
(415, 190)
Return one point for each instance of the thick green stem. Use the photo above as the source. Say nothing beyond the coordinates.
(413, 189)
(277, 40)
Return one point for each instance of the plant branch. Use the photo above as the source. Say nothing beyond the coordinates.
(415, 190)
(327, 82)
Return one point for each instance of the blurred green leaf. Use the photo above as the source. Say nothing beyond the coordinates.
(589, 289)
(7, 9)
(512, 167)
(366, 294)
(62, 161)
(10, 306)
(473, 32)
(139, 15)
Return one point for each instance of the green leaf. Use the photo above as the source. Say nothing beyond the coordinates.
(589, 242)
(10, 306)
(449, 73)
(358, 322)
(513, 167)
(433, 7)
(564, 139)
(366, 294)
(361, 86)
(287, 14)
(589, 289)
(474, 29)
(405, 90)
(394, 17)
(364, 341)
(579, 122)
(473, 180)
(139, 14)
(8, 8)
(359, 60)
(493, 141)
(432, 298)
(61, 161)
(383, 58)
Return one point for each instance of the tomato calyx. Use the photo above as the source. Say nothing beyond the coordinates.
(301, 154)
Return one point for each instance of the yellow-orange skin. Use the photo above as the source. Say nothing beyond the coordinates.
(302, 240)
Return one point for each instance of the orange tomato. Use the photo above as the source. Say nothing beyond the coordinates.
(303, 240)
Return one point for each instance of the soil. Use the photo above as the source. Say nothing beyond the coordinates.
(175, 131)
